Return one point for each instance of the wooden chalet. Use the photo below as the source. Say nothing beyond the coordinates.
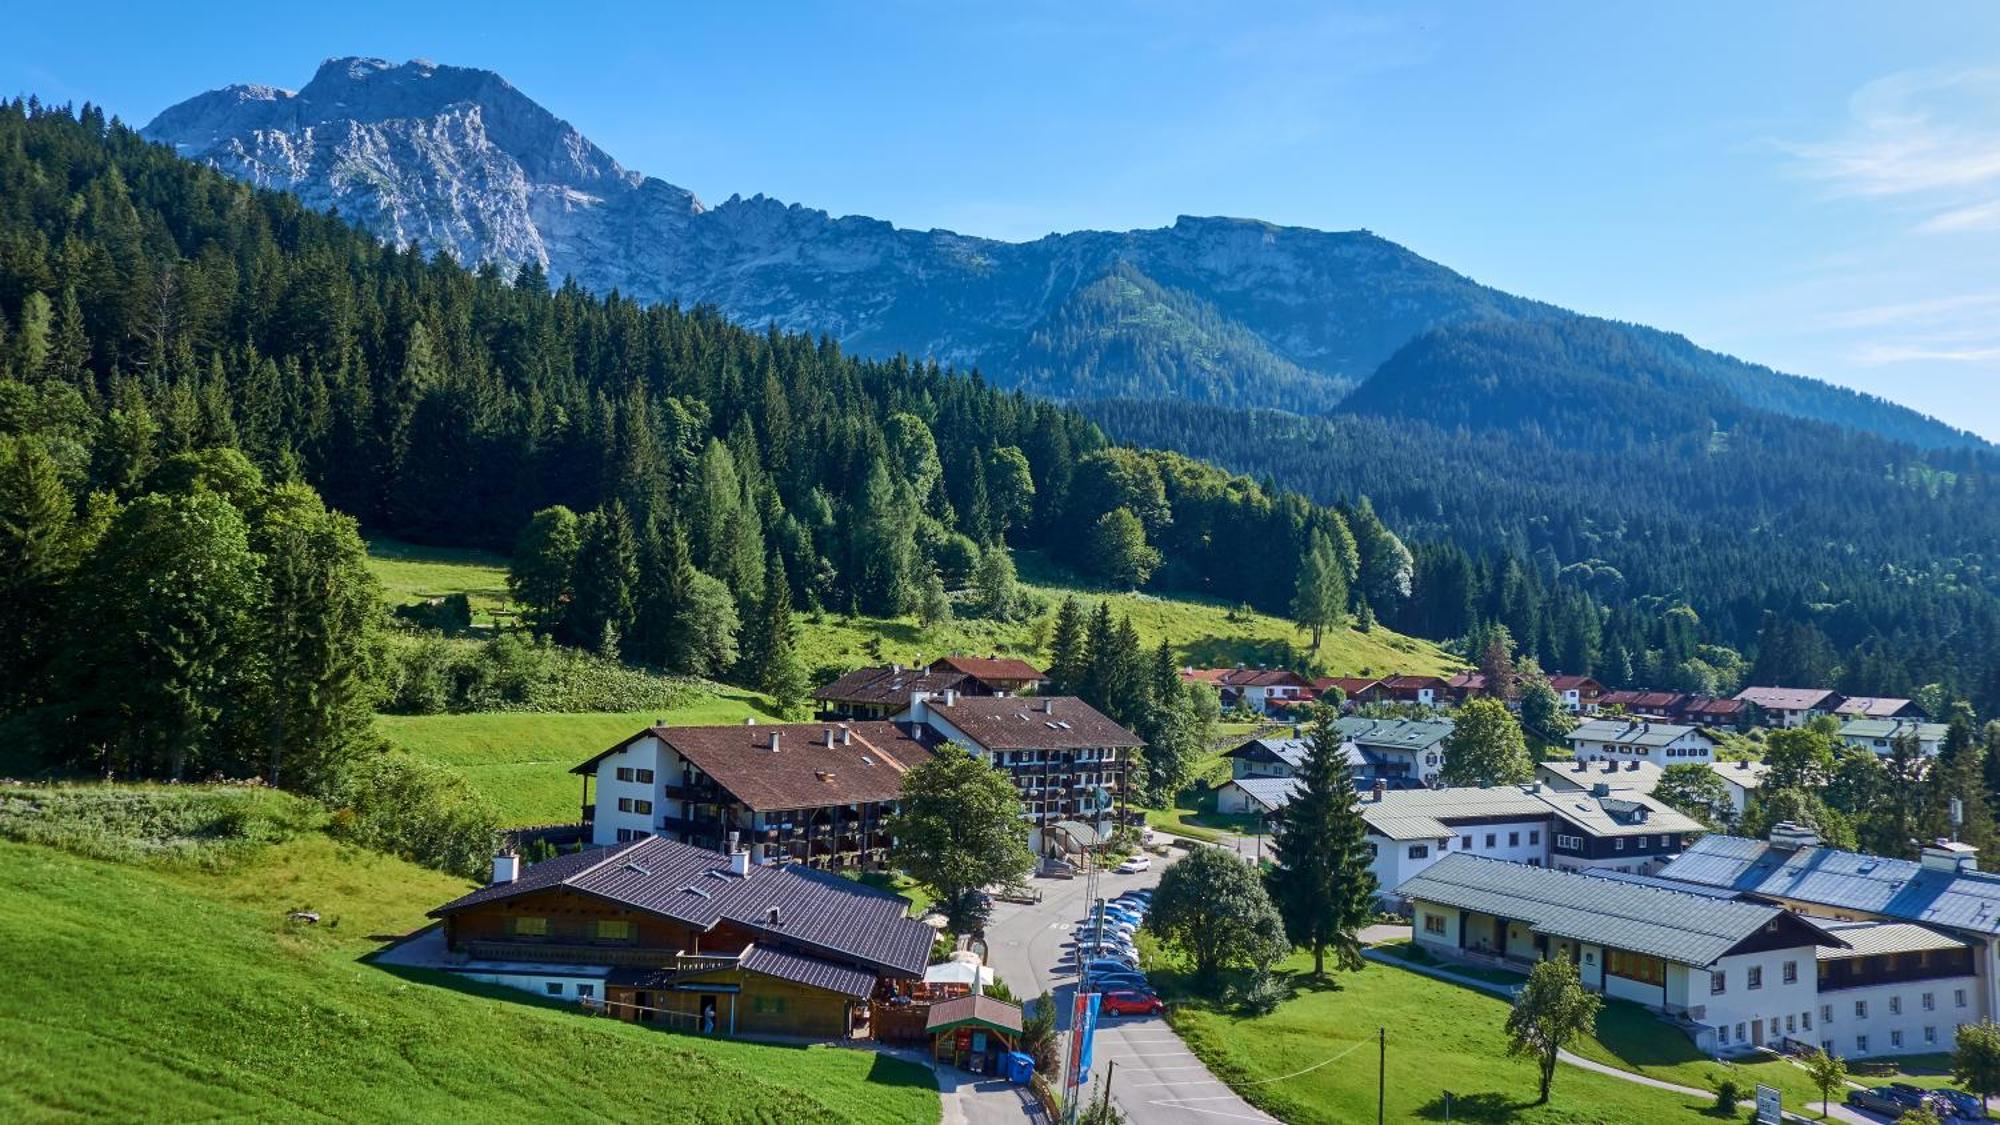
(992, 675)
(882, 691)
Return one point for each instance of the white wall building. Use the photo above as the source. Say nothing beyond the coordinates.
(1881, 735)
(1630, 740)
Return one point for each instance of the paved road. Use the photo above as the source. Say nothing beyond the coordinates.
(1158, 1081)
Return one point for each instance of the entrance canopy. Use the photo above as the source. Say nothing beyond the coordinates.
(975, 1011)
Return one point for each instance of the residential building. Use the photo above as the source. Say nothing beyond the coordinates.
(1570, 773)
(1256, 796)
(1878, 707)
(1354, 690)
(1429, 691)
(813, 793)
(1642, 704)
(1881, 735)
(1579, 694)
(1267, 691)
(1461, 686)
(1533, 824)
(1943, 889)
(884, 691)
(993, 675)
(1401, 753)
(1742, 779)
(1715, 714)
(1733, 975)
(1789, 707)
(1067, 758)
(1630, 740)
(661, 932)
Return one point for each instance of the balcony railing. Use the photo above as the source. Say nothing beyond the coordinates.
(568, 953)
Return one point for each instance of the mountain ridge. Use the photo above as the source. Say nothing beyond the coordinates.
(1222, 310)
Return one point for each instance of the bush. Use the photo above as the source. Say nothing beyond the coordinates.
(1727, 1093)
(1261, 995)
(393, 802)
(431, 674)
(206, 825)
(449, 614)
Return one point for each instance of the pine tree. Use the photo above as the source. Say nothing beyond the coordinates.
(1068, 648)
(40, 547)
(607, 572)
(1322, 884)
(770, 642)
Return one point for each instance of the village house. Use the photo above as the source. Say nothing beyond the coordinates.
(1427, 691)
(1579, 694)
(1878, 707)
(1462, 686)
(1742, 779)
(1267, 691)
(1629, 740)
(1261, 797)
(1067, 758)
(993, 675)
(1711, 712)
(1922, 984)
(657, 931)
(1399, 753)
(882, 692)
(1789, 707)
(819, 794)
(1882, 735)
(1354, 690)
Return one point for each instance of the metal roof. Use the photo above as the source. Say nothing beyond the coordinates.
(1894, 729)
(1868, 939)
(1827, 877)
(1394, 734)
(1571, 773)
(986, 1010)
(1430, 814)
(1632, 732)
(1273, 793)
(810, 971)
(1688, 928)
(1743, 775)
(1616, 875)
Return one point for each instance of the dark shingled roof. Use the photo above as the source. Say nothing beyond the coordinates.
(809, 971)
(989, 668)
(1061, 722)
(887, 684)
(804, 772)
(1789, 698)
(693, 885)
(974, 1009)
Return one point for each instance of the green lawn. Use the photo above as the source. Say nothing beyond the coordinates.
(410, 573)
(147, 993)
(521, 759)
(1314, 1058)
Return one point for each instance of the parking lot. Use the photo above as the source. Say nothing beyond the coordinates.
(1156, 1079)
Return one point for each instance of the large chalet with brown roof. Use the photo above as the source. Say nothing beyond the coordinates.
(661, 932)
(819, 794)
(1789, 707)
(1430, 691)
(1068, 759)
(882, 691)
(993, 675)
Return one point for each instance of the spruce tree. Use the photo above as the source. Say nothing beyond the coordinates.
(607, 571)
(770, 645)
(1067, 648)
(1321, 883)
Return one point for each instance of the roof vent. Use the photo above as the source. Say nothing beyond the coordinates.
(749, 720)
(774, 742)
(691, 889)
(773, 916)
(846, 735)
(633, 867)
(829, 738)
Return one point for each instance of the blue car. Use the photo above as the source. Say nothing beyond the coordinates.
(1964, 1106)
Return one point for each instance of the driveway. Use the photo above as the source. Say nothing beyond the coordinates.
(1158, 1081)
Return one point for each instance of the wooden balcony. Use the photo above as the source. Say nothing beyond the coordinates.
(579, 953)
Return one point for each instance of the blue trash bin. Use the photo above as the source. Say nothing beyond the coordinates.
(1020, 1067)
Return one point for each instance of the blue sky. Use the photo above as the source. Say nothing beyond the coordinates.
(1815, 186)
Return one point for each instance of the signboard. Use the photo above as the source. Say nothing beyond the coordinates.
(1770, 1105)
(1082, 1029)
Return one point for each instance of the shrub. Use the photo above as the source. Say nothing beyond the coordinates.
(206, 825)
(393, 802)
(1727, 1093)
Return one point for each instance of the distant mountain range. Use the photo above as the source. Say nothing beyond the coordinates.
(1231, 312)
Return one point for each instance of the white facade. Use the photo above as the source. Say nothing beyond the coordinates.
(1518, 841)
(1763, 999)
(1662, 744)
(1905, 1018)
(631, 790)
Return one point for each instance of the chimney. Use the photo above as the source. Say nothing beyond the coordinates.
(950, 696)
(829, 738)
(1581, 767)
(1380, 787)
(506, 867)
(1601, 789)
(1049, 705)
(1610, 766)
(749, 720)
(1298, 732)
(895, 669)
(920, 706)
(1744, 764)
(774, 742)
(846, 735)
(1787, 836)
(1632, 766)
(1949, 855)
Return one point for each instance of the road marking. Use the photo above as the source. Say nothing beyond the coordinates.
(1184, 1082)
(1180, 1103)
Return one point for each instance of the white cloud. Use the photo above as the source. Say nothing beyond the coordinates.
(1912, 353)
(1926, 141)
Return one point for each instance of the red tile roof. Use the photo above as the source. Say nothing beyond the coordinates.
(989, 668)
(1789, 699)
(1574, 683)
(1349, 686)
(1061, 722)
(804, 772)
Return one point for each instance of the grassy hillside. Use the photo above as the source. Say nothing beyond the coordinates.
(410, 573)
(162, 991)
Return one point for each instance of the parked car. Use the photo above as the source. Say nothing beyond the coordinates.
(1135, 865)
(1123, 1002)
(1131, 979)
(1964, 1106)
(1112, 962)
(1889, 1101)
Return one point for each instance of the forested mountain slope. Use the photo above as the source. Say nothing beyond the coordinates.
(1228, 311)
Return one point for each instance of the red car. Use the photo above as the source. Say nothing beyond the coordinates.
(1128, 1003)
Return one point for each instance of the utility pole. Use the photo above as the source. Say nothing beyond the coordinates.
(1381, 1074)
(1110, 1069)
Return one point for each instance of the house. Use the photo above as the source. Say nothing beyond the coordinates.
(813, 793)
(1256, 796)
(1267, 691)
(1743, 780)
(1942, 890)
(1579, 694)
(1401, 753)
(1789, 707)
(1570, 773)
(657, 931)
(1532, 824)
(1640, 740)
(1067, 758)
(1878, 707)
(1881, 735)
(1715, 714)
(880, 692)
(1735, 976)
(1429, 691)
(1354, 690)
(992, 675)
(1461, 686)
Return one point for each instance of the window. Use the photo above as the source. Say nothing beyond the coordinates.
(1490, 837)
(1791, 1024)
(1791, 972)
(1930, 1035)
(1534, 837)
(1635, 966)
(1465, 843)
(1722, 1034)
(1618, 845)
(1861, 1044)
(1896, 1038)
(615, 929)
(624, 773)
(643, 807)
(1826, 1013)
(553, 987)
(530, 927)
(1641, 845)
(1754, 976)
(1805, 1020)
(586, 990)
(1861, 1009)
(1740, 1034)
(1895, 1005)
(1718, 983)
(624, 804)
(1958, 997)
(1930, 1002)
(1419, 851)
(627, 835)
(1513, 839)
(644, 777)
(1433, 923)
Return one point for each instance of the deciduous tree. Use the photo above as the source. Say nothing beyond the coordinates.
(1551, 1010)
(959, 829)
(1212, 908)
(1485, 746)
